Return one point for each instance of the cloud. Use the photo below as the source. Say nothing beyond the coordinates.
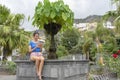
(81, 8)
(84, 8)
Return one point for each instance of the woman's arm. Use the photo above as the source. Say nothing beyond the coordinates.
(30, 49)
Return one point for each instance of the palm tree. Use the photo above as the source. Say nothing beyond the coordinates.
(101, 36)
(86, 46)
(11, 36)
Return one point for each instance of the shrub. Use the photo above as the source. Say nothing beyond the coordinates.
(113, 63)
(11, 67)
(70, 38)
(61, 51)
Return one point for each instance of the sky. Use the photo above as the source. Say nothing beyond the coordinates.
(81, 8)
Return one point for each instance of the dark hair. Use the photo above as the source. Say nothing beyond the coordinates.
(35, 33)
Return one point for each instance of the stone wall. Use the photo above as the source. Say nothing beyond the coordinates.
(54, 70)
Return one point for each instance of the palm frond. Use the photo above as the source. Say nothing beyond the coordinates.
(87, 44)
(4, 13)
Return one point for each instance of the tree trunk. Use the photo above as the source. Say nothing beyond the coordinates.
(4, 54)
(52, 29)
(52, 49)
(101, 60)
(87, 55)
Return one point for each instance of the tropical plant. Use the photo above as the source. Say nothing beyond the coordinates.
(11, 36)
(100, 41)
(102, 34)
(88, 41)
(4, 12)
(52, 16)
(86, 47)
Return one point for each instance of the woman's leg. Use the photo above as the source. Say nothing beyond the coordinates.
(37, 63)
(41, 65)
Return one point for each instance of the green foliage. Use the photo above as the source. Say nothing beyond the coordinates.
(53, 16)
(113, 64)
(11, 36)
(56, 12)
(47, 42)
(106, 38)
(109, 47)
(114, 15)
(78, 47)
(70, 38)
(4, 13)
(93, 51)
(61, 51)
(109, 44)
(101, 31)
(110, 15)
(118, 42)
(11, 67)
(91, 77)
(117, 24)
(102, 36)
(87, 44)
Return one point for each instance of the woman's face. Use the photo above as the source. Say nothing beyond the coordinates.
(36, 36)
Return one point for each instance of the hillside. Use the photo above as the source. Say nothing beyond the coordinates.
(91, 18)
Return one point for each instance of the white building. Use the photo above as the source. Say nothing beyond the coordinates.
(81, 26)
(86, 26)
(109, 25)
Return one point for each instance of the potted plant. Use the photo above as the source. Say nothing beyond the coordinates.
(53, 17)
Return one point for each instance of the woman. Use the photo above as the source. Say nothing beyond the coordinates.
(35, 48)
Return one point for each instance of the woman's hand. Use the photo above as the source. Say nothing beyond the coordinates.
(40, 53)
(39, 45)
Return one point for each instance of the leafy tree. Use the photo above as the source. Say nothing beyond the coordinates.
(53, 17)
(114, 15)
(4, 13)
(88, 42)
(78, 47)
(70, 39)
(11, 36)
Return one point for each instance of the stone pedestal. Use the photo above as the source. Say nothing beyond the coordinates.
(54, 70)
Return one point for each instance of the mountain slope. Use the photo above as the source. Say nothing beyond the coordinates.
(91, 18)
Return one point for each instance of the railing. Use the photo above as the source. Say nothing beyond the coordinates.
(107, 76)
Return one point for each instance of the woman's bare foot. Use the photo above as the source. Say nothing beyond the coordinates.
(40, 77)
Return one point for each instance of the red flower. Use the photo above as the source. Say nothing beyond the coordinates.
(115, 55)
